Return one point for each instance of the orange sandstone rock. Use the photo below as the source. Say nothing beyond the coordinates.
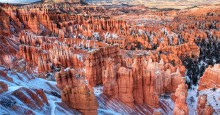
(80, 98)
(210, 78)
(202, 107)
(180, 101)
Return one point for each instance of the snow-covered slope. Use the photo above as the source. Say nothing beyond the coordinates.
(112, 106)
(213, 99)
(23, 95)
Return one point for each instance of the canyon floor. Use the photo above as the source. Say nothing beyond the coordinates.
(110, 59)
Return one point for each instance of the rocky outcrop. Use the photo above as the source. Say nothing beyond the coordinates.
(210, 78)
(180, 100)
(3, 87)
(109, 78)
(95, 63)
(138, 71)
(75, 92)
(64, 78)
(189, 49)
(208, 90)
(202, 107)
(42, 52)
(35, 100)
(125, 86)
(142, 83)
(80, 98)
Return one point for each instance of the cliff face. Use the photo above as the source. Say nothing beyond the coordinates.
(208, 91)
(47, 56)
(80, 98)
(210, 78)
(95, 63)
(75, 92)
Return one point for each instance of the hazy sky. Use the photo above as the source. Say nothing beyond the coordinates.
(18, 1)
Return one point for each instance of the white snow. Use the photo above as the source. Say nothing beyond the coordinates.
(107, 112)
(98, 90)
(25, 80)
(213, 99)
(52, 101)
(192, 100)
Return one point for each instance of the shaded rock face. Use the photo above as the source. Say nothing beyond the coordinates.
(64, 78)
(34, 99)
(95, 63)
(3, 87)
(210, 78)
(80, 98)
(109, 78)
(138, 85)
(125, 86)
(36, 102)
(75, 92)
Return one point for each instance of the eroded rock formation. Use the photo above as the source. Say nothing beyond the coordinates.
(3, 87)
(80, 98)
(95, 63)
(180, 100)
(211, 78)
(136, 60)
(143, 82)
(203, 108)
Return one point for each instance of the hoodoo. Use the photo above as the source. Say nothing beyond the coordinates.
(110, 57)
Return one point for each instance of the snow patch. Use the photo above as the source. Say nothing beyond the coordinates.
(98, 90)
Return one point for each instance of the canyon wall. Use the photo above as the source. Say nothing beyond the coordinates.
(210, 78)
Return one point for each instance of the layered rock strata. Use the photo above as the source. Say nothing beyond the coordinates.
(80, 98)
(210, 78)
(180, 100)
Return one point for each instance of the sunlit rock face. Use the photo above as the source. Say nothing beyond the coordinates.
(123, 84)
(180, 100)
(208, 89)
(60, 56)
(210, 78)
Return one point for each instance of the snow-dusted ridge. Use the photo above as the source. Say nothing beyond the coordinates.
(23, 83)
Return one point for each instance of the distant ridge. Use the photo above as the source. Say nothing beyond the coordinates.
(63, 1)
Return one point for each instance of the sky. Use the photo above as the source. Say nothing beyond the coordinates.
(18, 1)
